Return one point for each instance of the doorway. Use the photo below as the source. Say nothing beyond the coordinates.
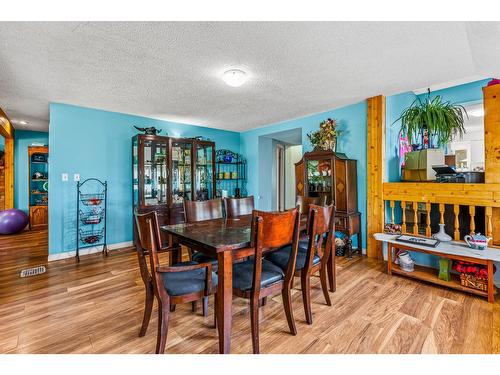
(278, 153)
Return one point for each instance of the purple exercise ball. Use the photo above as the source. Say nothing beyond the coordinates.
(12, 221)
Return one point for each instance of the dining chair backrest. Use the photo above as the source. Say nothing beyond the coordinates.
(149, 237)
(320, 222)
(304, 202)
(202, 210)
(273, 230)
(238, 206)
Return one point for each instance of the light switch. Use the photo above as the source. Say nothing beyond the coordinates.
(76, 177)
(64, 177)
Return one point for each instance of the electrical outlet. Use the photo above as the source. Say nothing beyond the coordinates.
(76, 177)
(64, 177)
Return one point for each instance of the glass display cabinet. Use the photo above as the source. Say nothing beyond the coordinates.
(332, 176)
(166, 171)
(38, 159)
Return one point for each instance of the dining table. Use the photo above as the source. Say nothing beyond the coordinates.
(228, 240)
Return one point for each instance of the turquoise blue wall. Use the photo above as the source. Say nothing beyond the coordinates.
(23, 139)
(97, 143)
(351, 120)
(467, 93)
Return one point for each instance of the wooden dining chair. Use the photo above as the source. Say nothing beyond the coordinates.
(303, 202)
(195, 211)
(313, 255)
(235, 207)
(180, 283)
(257, 278)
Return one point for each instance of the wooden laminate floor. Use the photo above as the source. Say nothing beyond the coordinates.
(96, 307)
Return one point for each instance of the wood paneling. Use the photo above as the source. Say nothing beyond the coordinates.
(491, 103)
(376, 173)
(96, 307)
(464, 194)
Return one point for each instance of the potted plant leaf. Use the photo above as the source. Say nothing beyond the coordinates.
(429, 124)
(440, 120)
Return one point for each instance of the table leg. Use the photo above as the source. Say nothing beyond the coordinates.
(491, 286)
(360, 246)
(175, 256)
(225, 296)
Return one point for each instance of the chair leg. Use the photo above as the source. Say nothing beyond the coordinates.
(305, 282)
(324, 285)
(216, 311)
(148, 308)
(287, 304)
(332, 277)
(254, 319)
(205, 306)
(263, 302)
(193, 306)
(172, 307)
(161, 339)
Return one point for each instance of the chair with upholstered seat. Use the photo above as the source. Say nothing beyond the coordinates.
(312, 256)
(180, 283)
(257, 278)
(304, 202)
(195, 211)
(235, 207)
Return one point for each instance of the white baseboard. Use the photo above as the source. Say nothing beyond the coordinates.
(88, 250)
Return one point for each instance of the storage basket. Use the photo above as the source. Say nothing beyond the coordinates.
(471, 281)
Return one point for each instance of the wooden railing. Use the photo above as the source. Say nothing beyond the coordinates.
(414, 206)
(473, 196)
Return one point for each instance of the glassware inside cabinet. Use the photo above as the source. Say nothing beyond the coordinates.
(181, 172)
(204, 172)
(155, 181)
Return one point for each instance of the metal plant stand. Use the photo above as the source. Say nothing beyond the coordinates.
(91, 215)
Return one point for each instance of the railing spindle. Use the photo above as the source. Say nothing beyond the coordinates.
(489, 225)
(456, 211)
(428, 219)
(403, 224)
(415, 217)
(472, 212)
(391, 204)
(441, 213)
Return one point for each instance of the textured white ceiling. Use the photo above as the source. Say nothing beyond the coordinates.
(171, 70)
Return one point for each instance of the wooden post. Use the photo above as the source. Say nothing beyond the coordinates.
(491, 103)
(7, 131)
(375, 214)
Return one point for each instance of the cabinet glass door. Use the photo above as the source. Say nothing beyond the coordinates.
(135, 171)
(319, 179)
(181, 172)
(204, 172)
(155, 174)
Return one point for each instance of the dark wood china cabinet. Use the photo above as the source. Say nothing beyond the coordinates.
(166, 171)
(332, 176)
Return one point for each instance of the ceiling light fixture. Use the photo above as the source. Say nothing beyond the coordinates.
(22, 122)
(234, 77)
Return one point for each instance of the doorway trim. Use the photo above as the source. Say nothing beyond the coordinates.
(7, 131)
(280, 177)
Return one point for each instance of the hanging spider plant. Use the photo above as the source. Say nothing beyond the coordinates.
(441, 120)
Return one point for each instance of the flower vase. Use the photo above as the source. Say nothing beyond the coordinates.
(441, 235)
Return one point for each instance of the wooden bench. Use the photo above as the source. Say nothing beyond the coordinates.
(451, 250)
